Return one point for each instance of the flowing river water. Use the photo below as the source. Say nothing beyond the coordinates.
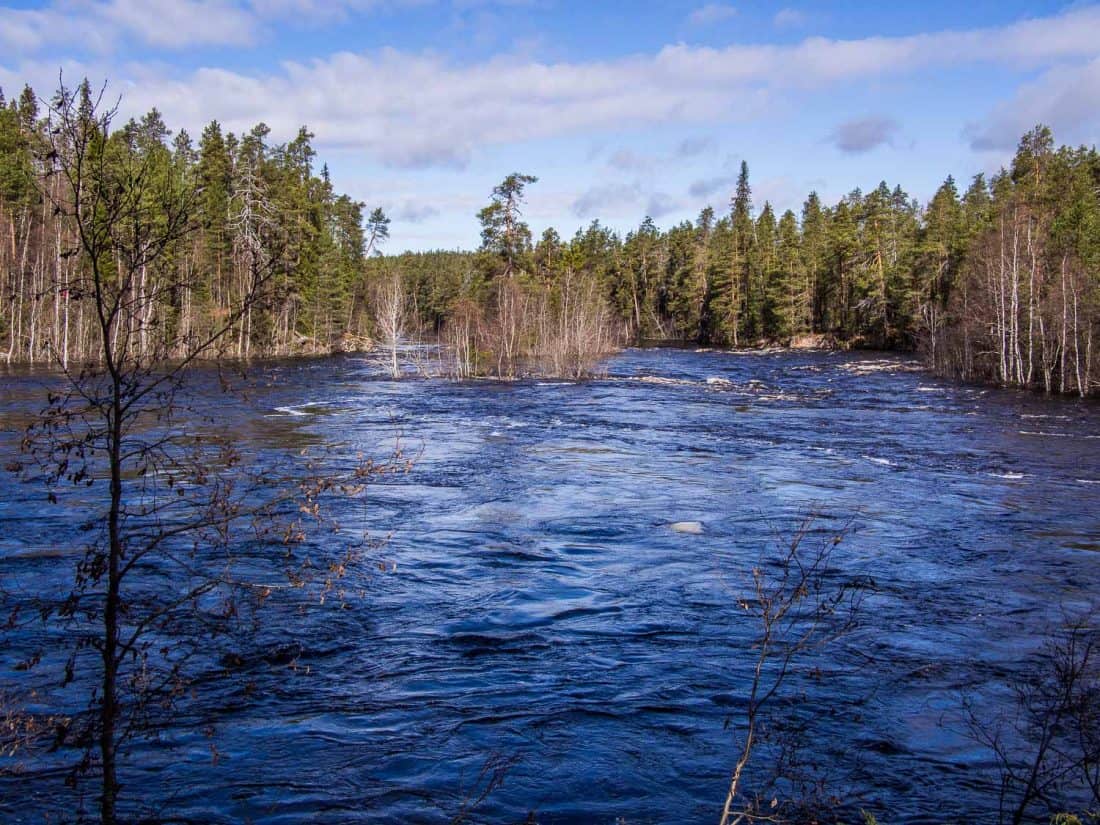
(537, 609)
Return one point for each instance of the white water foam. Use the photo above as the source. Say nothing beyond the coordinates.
(302, 409)
(882, 461)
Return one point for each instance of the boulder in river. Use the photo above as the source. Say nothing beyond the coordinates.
(814, 341)
(349, 343)
(693, 527)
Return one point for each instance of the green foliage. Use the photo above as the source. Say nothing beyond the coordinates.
(250, 206)
(16, 172)
(505, 238)
(873, 269)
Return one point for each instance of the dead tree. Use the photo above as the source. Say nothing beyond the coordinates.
(391, 314)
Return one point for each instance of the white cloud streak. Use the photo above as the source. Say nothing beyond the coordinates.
(105, 25)
(101, 26)
(1066, 97)
(711, 13)
(608, 198)
(420, 110)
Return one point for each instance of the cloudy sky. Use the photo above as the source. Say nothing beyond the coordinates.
(622, 109)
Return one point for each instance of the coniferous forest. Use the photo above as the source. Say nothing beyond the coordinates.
(994, 280)
(713, 558)
(243, 205)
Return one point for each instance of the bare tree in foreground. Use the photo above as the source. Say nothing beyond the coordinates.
(184, 541)
(1047, 748)
(799, 604)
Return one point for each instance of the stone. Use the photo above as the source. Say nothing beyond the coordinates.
(692, 527)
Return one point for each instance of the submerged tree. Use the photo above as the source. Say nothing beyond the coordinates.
(541, 309)
(392, 314)
(506, 245)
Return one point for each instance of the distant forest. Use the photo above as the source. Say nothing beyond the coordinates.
(998, 281)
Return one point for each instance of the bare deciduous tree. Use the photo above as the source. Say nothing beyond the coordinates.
(573, 329)
(798, 606)
(463, 336)
(392, 315)
(1047, 747)
(162, 571)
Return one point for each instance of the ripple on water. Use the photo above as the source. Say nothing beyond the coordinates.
(542, 609)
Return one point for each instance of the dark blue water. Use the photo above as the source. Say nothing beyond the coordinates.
(538, 609)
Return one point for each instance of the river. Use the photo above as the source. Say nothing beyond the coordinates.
(537, 608)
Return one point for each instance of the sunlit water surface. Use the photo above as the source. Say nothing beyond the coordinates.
(537, 608)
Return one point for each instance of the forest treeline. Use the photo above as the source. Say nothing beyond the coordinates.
(243, 206)
(999, 281)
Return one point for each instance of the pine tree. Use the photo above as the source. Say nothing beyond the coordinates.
(815, 261)
(939, 256)
(766, 291)
(504, 235)
(789, 297)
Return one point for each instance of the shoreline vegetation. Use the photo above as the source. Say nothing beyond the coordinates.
(999, 284)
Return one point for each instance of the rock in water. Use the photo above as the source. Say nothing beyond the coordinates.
(693, 527)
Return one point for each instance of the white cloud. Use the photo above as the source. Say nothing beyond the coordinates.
(422, 109)
(180, 23)
(818, 61)
(102, 25)
(693, 146)
(711, 13)
(661, 204)
(864, 134)
(789, 18)
(629, 160)
(105, 25)
(322, 12)
(709, 186)
(1065, 98)
(605, 198)
(412, 212)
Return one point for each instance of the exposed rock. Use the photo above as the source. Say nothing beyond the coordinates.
(815, 341)
(352, 343)
(693, 527)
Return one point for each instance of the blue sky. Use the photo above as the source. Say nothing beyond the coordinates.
(620, 109)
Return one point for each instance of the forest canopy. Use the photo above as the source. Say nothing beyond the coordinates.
(997, 279)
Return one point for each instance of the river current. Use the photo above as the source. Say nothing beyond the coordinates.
(536, 610)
